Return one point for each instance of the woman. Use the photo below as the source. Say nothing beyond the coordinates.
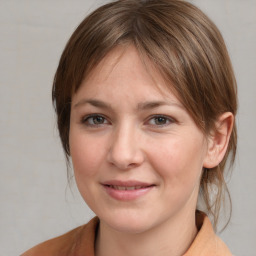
(145, 98)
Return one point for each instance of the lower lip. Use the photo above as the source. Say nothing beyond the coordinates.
(127, 195)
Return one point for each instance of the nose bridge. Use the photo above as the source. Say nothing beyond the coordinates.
(125, 146)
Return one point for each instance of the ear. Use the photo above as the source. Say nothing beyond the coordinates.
(218, 140)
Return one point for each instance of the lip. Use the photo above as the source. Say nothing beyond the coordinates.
(127, 190)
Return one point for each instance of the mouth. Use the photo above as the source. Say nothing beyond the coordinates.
(127, 190)
(127, 187)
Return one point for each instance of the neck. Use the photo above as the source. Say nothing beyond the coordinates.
(172, 237)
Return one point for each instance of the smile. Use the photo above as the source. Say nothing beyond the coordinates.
(126, 188)
(127, 191)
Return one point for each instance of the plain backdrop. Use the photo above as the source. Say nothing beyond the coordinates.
(35, 200)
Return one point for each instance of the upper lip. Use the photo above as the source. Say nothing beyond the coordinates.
(128, 183)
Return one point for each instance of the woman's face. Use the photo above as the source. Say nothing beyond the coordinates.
(137, 154)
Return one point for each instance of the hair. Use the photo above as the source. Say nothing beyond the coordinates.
(186, 48)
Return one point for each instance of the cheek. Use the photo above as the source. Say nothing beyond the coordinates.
(86, 154)
(178, 160)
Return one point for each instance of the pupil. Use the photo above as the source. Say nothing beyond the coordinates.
(160, 120)
(98, 120)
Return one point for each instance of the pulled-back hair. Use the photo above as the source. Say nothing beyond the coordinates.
(185, 47)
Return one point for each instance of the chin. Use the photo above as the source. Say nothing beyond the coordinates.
(128, 222)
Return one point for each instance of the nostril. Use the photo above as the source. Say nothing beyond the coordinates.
(124, 152)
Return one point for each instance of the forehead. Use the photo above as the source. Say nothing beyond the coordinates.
(125, 65)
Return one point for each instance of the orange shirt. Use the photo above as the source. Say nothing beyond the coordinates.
(80, 242)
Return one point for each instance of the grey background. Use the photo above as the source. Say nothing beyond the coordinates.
(35, 200)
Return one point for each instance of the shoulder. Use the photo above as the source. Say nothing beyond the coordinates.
(59, 245)
(68, 244)
(206, 241)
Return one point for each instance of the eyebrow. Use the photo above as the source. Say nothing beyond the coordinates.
(155, 104)
(141, 106)
(93, 102)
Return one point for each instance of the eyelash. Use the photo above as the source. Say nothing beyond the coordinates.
(166, 118)
(85, 120)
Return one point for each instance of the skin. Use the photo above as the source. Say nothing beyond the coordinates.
(115, 134)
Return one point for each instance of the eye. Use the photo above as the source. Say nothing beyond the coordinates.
(160, 120)
(94, 120)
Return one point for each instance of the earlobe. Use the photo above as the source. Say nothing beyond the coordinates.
(218, 140)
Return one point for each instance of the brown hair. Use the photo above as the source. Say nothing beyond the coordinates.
(181, 42)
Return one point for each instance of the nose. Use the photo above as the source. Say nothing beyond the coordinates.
(125, 149)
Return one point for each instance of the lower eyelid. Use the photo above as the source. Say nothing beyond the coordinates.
(169, 120)
(84, 120)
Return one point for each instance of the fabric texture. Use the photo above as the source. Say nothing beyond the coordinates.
(80, 241)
